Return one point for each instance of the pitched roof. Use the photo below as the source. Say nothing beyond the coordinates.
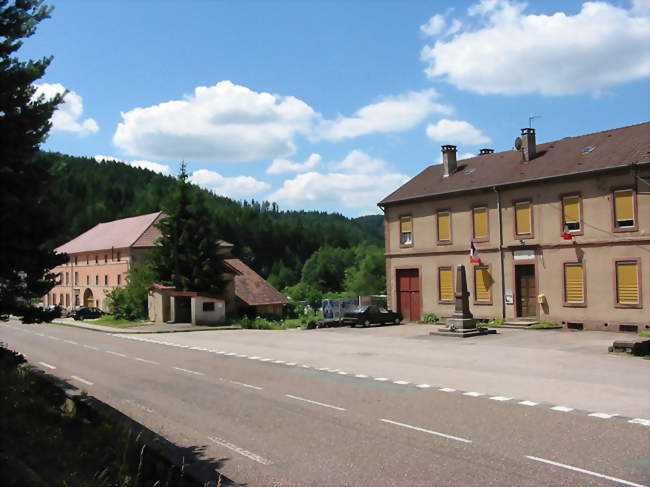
(610, 149)
(251, 288)
(137, 231)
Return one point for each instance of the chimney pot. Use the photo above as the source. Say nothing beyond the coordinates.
(528, 144)
(448, 160)
(486, 151)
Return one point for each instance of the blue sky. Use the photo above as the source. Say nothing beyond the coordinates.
(331, 105)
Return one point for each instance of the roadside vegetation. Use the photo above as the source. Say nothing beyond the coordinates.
(113, 321)
(496, 322)
(645, 333)
(305, 320)
(430, 319)
(545, 324)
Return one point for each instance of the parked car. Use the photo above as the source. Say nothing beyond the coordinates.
(368, 315)
(83, 313)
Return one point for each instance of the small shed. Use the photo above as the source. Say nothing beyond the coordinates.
(166, 305)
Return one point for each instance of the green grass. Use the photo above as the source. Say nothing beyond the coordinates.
(496, 322)
(110, 320)
(545, 324)
(645, 333)
(259, 323)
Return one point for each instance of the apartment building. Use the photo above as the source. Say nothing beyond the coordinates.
(559, 232)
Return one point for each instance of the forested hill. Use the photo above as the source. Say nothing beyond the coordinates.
(275, 243)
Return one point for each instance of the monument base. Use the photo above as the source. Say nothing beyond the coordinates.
(463, 332)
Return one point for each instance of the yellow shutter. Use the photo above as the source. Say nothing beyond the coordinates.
(482, 283)
(627, 285)
(405, 224)
(480, 223)
(445, 284)
(574, 283)
(444, 228)
(571, 209)
(522, 217)
(624, 205)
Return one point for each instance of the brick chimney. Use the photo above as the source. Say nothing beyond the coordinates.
(448, 160)
(528, 145)
(486, 151)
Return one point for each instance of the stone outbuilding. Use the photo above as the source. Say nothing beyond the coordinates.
(166, 305)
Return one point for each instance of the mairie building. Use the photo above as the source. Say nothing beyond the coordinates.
(558, 232)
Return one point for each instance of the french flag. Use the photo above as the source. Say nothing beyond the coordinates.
(473, 255)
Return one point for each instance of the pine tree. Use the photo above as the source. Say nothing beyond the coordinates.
(24, 179)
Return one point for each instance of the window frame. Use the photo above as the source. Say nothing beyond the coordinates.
(451, 227)
(476, 239)
(565, 302)
(581, 230)
(523, 236)
(401, 243)
(639, 274)
(635, 226)
(440, 300)
(478, 302)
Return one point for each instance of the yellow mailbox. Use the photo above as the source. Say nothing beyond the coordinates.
(541, 298)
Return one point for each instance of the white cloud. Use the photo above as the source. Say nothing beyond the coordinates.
(101, 158)
(359, 162)
(67, 116)
(233, 187)
(225, 122)
(456, 131)
(390, 114)
(502, 50)
(152, 166)
(280, 166)
(435, 25)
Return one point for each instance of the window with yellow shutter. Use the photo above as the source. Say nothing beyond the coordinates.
(571, 213)
(444, 226)
(627, 282)
(406, 230)
(624, 208)
(445, 284)
(574, 283)
(480, 221)
(482, 284)
(523, 225)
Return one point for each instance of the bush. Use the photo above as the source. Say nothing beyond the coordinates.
(496, 322)
(130, 302)
(430, 318)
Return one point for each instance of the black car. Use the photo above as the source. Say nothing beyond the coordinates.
(368, 315)
(83, 313)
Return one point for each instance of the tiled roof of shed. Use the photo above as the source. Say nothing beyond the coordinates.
(251, 288)
(611, 148)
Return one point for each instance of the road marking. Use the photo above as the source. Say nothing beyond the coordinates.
(447, 389)
(401, 382)
(423, 386)
(71, 342)
(500, 398)
(278, 361)
(265, 360)
(147, 361)
(241, 355)
(473, 394)
(254, 357)
(382, 379)
(230, 354)
(644, 422)
(436, 433)
(246, 385)
(91, 347)
(241, 451)
(54, 338)
(189, 371)
(290, 364)
(562, 409)
(315, 402)
(39, 334)
(340, 372)
(361, 376)
(87, 382)
(52, 367)
(528, 403)
(603, 415)
(588, 472)
(115, 353)
(306, 366)
(326, 369)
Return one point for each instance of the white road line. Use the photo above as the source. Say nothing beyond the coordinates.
(265, 359)
(306, 366)
(52, 367)
(54, 338)
(423, 386)
(39, 334)
(447, 389)
(382, 379)
(71, 342)
(602, 415)
(290, 364)
(91, 347)
(436, 433)
(247, 385)
(401, 382)
(528, 403)
(473, 394)
(189, 371)
(361, 376)
(500, 398)
(562, 409)
(340, 372)
(644, 422)
(147, 361)
(315, 402)
(115, 353)
(230, 354)
(239, 355)
(278, 361)
(588, 472)
(254, 357)
(324, 369)
(87, 382)
(239, 450)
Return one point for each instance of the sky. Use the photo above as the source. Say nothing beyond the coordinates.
(332, 105)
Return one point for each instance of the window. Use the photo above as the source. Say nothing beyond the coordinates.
(480, 221)
(627, 282)
(96, 280)
(406, 230)
(61, 299)
(87, 280)
(97, 259)
(482, 284)
(445, 284)
(444, 226)
(119, 256)
(105, 280)
(67, 278)
(208, 306)
(88, 259)
(624, 208)
(574, 283)
(76, 300)
(571, 213)
(119, 279)
(76, 278)
(105, 258)
(523, 224)
(76, 261)
(67, 300)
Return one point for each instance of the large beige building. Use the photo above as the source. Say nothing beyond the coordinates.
(561, 229)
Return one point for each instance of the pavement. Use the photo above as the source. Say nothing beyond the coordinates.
(381, 406)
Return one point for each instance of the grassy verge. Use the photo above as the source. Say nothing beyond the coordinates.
(260, 323)
(545, 324)
(110, 320)
(645, 333)
(497, 322)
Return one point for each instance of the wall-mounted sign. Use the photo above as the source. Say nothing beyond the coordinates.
(509, 298)
(524, 254)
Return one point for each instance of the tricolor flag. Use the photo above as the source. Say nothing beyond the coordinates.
(566, 235)
(473, 255)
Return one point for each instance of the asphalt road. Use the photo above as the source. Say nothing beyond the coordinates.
(291, 424)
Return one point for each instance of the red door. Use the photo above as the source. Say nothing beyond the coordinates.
(408, 293)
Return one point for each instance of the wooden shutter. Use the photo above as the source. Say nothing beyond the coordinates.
(522, 218)
(444, 226)
(405, 224)
(482, 283)
(445, 284)
(627, 284)
(624, 204)
(480, 223)
(571, 206)
(574, 285)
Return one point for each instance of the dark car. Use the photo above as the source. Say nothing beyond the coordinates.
(368, 315)
(83, 313)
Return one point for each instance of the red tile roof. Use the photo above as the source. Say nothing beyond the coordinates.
(611, 149)
(251, 288)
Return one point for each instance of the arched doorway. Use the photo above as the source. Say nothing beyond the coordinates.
(89, 300)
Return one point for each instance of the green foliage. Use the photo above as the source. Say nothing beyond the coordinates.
(130, 302)
(368, 275)
(545, 324)
(26, 215)
(373, 224)
(496, 322)
(306, 293)
(430, 318)
(325, 269)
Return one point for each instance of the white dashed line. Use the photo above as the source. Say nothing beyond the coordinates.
(315, 402)
(87, 382)
(230, 354)
(447, 389)
(602, 415)
(39, 334)
(588, 472)
(382, 379)
(361, 376)
(278, 361)
(247, 385)
(54, 338)
(644, 422)
(71, 342)
(528, 403)
(255, 357)
(91, 347)
(401, 382)
(340, 372)
(52, 367)
(306, 366)
(290, 364)
(189, 371)
(562, 409)
(265, 359)
(436, 433)
(239, 450)
(473, 394)
(423, 386)
(115, 353)
(500, 398)
(239, 355)
(153, 362)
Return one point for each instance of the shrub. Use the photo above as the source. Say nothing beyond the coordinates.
(496, 322)
(430, 318)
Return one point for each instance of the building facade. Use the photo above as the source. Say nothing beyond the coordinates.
(561, 232)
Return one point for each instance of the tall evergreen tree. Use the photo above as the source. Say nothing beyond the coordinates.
(24, 179)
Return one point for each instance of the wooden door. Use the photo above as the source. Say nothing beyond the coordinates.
(526, 291)
(408, 293)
